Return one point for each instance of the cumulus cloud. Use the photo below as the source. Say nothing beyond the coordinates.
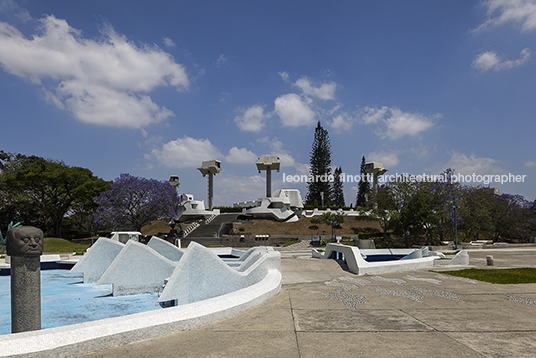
(467, 165)
(342, 122)
(325, 91)
(185, 152)
(490, 60)
(241, 156)
(284, 76)
(388, 159)
(277, 148)
(104, 81)
(518, 12)
(233, 188)
(397, 123)
(294, 111)
(168, 42)
(252, 119)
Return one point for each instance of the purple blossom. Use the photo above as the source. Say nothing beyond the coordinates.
(132, 202)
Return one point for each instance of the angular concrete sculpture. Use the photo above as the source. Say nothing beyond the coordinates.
(137, 269)
(282, 206)
(254, 255)
(97, 259)
(353, 257)
(165, 248)
(201, 274)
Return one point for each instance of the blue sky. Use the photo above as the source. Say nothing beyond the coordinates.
(155, 88)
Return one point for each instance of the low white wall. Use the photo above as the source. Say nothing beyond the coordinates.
(93, 336)
(358, 265)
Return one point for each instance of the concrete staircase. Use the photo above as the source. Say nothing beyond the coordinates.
(191, 228)
(209, 227)
(304, 244)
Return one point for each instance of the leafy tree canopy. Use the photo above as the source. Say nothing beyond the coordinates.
(133, 202)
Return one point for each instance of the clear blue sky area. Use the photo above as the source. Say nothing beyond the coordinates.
(66, 300)
(153, 88)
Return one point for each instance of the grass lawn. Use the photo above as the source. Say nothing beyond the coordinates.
(53, 244)
(501, 276)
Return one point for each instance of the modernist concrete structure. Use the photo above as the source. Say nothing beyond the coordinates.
(284, 205)
(174, 180)
(201, 274)
(268, 163)
(74, 340)
(191, 209)
(210, 168)
(376, 169)
(354, 258)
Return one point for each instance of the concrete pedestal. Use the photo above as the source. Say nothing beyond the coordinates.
(25, 293)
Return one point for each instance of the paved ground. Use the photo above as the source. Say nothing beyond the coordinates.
(324, 311)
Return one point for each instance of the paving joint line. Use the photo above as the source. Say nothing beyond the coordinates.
(294, 325)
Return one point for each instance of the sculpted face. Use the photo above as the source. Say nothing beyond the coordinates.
(24, 241)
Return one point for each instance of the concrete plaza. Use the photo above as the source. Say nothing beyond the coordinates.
(324, 311)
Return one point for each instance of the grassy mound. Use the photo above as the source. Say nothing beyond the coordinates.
(53, 244)
(501, 276)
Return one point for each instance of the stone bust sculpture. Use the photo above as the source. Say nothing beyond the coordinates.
(24, 241)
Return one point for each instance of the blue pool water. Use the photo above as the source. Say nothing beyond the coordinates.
(66, 300)
(376, 258)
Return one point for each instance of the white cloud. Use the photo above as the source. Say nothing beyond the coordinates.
(342, 122)
(490, 60)
(373, 115)
(467, 165)
(276, 148)
(326, 91)
(168, 42)
(302, 168)
(530, 164)
(185, 152)
(397, 123)
(221, 61)
(284, 76)
(252, 120)
(231, 188)
(388, 159)
(518, 12)
(241, 156)
(91, 78)
(293, 111)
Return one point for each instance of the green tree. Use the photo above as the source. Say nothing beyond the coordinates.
(42, 192)
(363, 189)
(320, 169)
(337, 189)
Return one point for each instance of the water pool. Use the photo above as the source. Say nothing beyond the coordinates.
(66, 300)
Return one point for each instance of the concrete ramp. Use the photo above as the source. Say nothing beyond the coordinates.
(97, 259)
(165, 248)
(137, 269)
(201, 274)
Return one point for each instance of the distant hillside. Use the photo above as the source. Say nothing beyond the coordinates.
(304, 226)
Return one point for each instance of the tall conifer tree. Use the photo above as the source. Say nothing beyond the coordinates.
(363, 189)
(338, 192)
(320, 170)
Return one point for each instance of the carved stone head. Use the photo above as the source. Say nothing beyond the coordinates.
(24, 241)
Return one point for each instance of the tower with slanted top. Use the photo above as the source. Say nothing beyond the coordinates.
(210, 168)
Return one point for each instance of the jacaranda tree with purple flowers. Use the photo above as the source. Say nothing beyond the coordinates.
(133, 202)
